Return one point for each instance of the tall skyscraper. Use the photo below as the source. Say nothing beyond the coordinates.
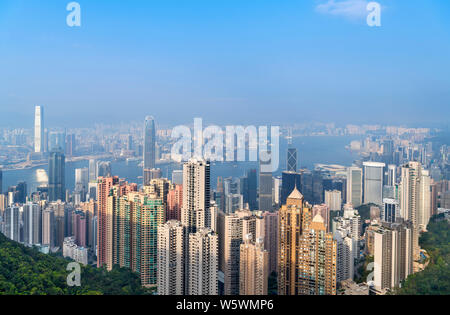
(254, 267)
(57, 176)
(196, 195)
(373, 182)
(203, 263)
(105, 222)
(149, 143)
(392, 176)
(92, 170)
(317, 251)
(265, 190)
(233, 228)
(354, 186)
(32, 224)
(393, 255)
(171, 258)
(415, 199)
(48, 228)
(12, 223)
(333, 199)
(271, 238)
(292, 163)
(391, 210)
(293, 219)
(289, 181)
(39, 129)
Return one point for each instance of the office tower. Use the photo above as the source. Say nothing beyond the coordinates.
(104, 169)
(56, 176)
(57, 141)
(32, 224)
(70, 145)
(254, 267)
(92, 170)
(392, 175)
(276, 193)
(150, 174)
(234, 202)
(232, 228)
(171, 258)
(345, 262)
(177, 177)
(318, 194)
(290, 180)
(271, 238)
(174, 203)
(324, 212)
(60, 222)
(203, 263)
(265, 189)
(1, 181)
(81, 184)
(39, 129)
(393, 255)
(196, 195)
(293, 218)
(19, 192)
(12, 223)
(373, 182)
(415, 199)
(333, 199)
(48, 228)
(354, 186)
(391, 210)
(317, 252)
(149, 143)
(292, 160)
(250, 189)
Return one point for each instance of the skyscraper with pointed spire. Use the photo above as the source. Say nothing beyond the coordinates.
(149, 143)
(39, 129)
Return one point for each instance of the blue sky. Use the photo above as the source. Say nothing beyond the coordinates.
(227, 61)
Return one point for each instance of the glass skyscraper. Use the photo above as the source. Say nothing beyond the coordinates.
(56, 176)
(149, 143)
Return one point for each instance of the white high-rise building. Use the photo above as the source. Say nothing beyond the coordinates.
(203, 263)
(333, 199)
(39, 129)
(392, 175)
(32, 224)
(354, 186)
(345, 268)
(415, 199)
(171, 258)
(392, 255)
(195, 212)
(12, 223)
(373, 182)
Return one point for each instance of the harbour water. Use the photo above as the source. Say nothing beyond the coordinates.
(311, 150)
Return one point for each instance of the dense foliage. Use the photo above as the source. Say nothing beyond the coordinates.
(435, 279)
(25, 271)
